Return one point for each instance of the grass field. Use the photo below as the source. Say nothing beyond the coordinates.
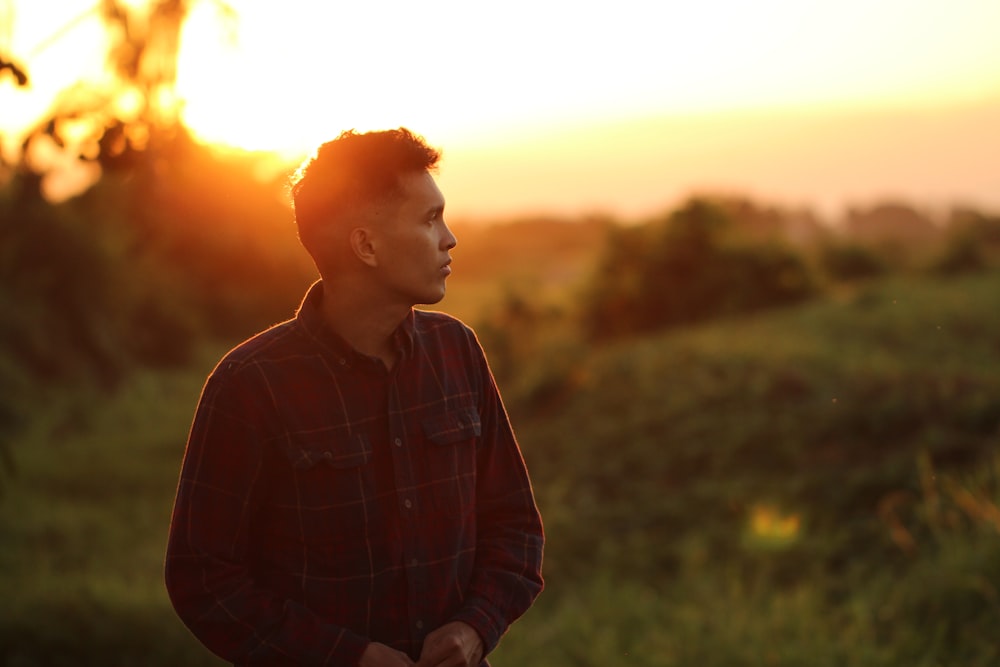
(83, 523)
(813, 486)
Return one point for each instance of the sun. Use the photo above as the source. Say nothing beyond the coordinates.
(261, 82)
(222, 100)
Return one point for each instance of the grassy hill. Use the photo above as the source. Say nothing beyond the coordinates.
(817, 485)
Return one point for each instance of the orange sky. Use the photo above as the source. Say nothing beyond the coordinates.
(932, 157)
(620, 106)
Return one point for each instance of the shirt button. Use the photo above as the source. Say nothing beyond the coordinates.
(342, 361)
(420, 625)
(398, 442)
(413, 562)
(407, 504)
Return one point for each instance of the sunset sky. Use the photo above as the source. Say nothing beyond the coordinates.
(566, 107)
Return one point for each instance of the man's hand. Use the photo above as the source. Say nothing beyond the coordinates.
(380, 655)
(452, 645)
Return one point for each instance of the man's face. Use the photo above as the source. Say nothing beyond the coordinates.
(412, 243)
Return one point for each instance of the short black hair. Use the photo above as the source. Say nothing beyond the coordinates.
(354, 170)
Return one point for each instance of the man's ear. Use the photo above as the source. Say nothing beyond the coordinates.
(363, 245)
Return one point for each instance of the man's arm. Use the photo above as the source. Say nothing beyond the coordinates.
(206, 569)
(508, 569)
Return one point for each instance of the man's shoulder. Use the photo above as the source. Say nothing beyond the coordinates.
(448, 340)
(434, 322)
(274, 342)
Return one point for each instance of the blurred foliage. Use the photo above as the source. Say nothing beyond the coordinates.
(901, 234)
(538, 252)
(961, 254)
(15, 71)
(820, 408)
(138, 270)
(849, 260)
(109, 121)
(133, 269)
(869, 425)
(689, 268)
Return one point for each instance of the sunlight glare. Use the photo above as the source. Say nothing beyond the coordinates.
(283, 85)
(770, 526)
(455, 70)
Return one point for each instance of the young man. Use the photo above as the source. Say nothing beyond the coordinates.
(352, 492)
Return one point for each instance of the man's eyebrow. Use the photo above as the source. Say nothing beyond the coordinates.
(437, 209)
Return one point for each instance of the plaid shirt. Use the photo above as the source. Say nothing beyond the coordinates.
(325, 502)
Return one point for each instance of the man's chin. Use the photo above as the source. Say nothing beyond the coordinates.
(432, 299)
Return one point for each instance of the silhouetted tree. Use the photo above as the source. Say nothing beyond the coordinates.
(16, 71)
(172, 240)
(142, 51)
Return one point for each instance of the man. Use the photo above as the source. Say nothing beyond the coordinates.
(352, 492)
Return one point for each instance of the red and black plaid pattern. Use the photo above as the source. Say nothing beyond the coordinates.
(325, 502)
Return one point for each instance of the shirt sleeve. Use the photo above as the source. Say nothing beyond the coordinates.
(206, 571)
(508, 568)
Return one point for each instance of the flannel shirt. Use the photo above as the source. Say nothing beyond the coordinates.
(325, 502)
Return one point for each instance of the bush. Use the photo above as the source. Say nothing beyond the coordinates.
(184, 245)
(688, 268)
(60, 289)
(850, 261)
(962, 253)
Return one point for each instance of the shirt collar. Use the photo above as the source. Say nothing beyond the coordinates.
(310, 316)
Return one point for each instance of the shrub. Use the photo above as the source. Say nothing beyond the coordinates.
(688, 268)
(962, 253)
(850, 261)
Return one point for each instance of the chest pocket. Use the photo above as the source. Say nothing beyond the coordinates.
(453, 427)
(328, 490)
(450, 458)
(330, 451)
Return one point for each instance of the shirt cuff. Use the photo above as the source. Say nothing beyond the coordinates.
(485, 619)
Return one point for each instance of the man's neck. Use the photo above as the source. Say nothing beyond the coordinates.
(362, 321)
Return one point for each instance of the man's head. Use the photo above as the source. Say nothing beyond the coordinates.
(352, 174)
(368, 201)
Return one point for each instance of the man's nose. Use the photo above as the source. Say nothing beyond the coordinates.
(449, 241)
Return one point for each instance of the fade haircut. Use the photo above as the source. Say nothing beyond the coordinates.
(353, 171)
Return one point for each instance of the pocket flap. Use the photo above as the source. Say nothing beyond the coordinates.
(453, 426)
(349, 453)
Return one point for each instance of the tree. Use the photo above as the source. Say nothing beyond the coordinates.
(688, 268)
(87, 120)
(173, 240)
(16, 71)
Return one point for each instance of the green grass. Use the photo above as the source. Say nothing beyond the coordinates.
(812, 486)
(84, 524)
(847, 418)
